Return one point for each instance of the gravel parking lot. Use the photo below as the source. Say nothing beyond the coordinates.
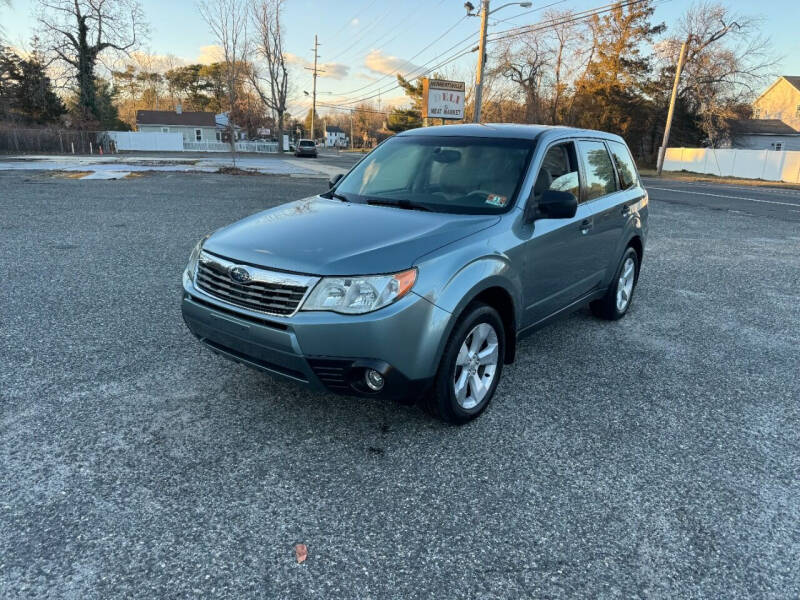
(657, 456)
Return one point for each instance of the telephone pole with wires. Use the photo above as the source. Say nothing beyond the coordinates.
(315, 72)
(484, 15)
(683, 57)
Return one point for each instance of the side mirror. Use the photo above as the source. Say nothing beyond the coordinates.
(334, 180)
(556, 205)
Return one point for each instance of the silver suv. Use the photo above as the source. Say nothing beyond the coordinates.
(414, 276)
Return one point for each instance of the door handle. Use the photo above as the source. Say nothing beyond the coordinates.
(586, 225)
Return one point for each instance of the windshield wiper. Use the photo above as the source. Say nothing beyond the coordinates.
(339, 197)
(407, 204)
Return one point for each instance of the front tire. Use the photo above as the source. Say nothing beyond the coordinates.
(619, 295)
(471, 366)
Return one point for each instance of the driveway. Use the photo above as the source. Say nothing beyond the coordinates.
(656, 456)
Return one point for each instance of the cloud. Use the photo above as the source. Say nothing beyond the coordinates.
(210, 54)
(355, 22)
(382, 63)
(327, 70)
(334, 70)
(293, 59)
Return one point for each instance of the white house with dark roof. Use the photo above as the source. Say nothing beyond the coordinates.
(194, 126)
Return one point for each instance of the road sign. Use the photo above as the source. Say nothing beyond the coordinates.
(442, 99)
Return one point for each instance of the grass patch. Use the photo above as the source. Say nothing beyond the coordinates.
(236, 171)
(707, 178)
(71, 174)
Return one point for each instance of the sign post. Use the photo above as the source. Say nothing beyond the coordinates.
(442, 99)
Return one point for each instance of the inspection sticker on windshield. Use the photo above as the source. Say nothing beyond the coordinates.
(496, 200)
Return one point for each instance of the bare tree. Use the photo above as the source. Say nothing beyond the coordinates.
(524, 62)
(266, 16)
(78, 32)
(565, 58)
(727, 61)
(227, 20)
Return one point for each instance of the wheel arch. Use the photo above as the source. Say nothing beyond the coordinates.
(496, 292)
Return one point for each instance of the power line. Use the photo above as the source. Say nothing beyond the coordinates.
(527, 12)
(423, 73)
(500, 35)
(421, 68)
(569, 18)
(363, 32)
(394, 26)
(385, 75)
(350, 20)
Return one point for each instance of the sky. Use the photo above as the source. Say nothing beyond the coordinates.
(363, 42)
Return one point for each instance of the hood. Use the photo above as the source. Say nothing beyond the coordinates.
(319, 236)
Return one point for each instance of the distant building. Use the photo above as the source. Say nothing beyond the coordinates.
(223, 133)
(335, 137)
(762, 134)
(780, 101)
(195, 126)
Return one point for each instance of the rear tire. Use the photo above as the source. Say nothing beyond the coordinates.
(619, 295)
(471, 366)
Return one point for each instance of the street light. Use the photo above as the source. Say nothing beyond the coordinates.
(484, 14)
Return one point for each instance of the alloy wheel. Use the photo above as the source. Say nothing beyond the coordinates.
(476, 366)
(625, 284)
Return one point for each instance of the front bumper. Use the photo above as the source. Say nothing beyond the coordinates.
(325, 350)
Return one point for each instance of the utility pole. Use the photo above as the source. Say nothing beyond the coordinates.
(351, 129)
(315, 71)
(663, 150)
(485, 12)
(476, 118)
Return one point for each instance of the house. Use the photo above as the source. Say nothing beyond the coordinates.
(195, 126)
(335, 137)
(781, 101)
(762, 134)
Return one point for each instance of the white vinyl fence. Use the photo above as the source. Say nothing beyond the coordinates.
(770, 165)
(264, 147)
(174, 142)
(144, 141)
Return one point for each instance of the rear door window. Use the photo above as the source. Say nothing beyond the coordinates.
(626, 168)
(600, 176)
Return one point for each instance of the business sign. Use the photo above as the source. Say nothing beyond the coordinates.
(442, 99)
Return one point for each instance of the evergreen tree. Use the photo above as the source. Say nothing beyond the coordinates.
(609, 96)
(26, 92)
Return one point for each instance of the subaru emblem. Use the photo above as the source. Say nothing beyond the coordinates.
(240, 274)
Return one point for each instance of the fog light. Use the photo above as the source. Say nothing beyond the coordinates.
(374, 380)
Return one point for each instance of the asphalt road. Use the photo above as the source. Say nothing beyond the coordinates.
(780, 203)
(656, 456)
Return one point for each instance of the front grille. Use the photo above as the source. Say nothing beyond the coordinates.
(265, 292)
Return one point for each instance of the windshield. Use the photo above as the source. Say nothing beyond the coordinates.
(442, 174)
(306, 143)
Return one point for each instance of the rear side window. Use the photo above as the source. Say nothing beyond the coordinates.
(626, 168)
(600, 179)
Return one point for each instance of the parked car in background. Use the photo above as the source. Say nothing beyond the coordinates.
(306, 148)
(414, 276)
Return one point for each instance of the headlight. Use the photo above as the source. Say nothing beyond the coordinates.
(193, 258)
(359, 294)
